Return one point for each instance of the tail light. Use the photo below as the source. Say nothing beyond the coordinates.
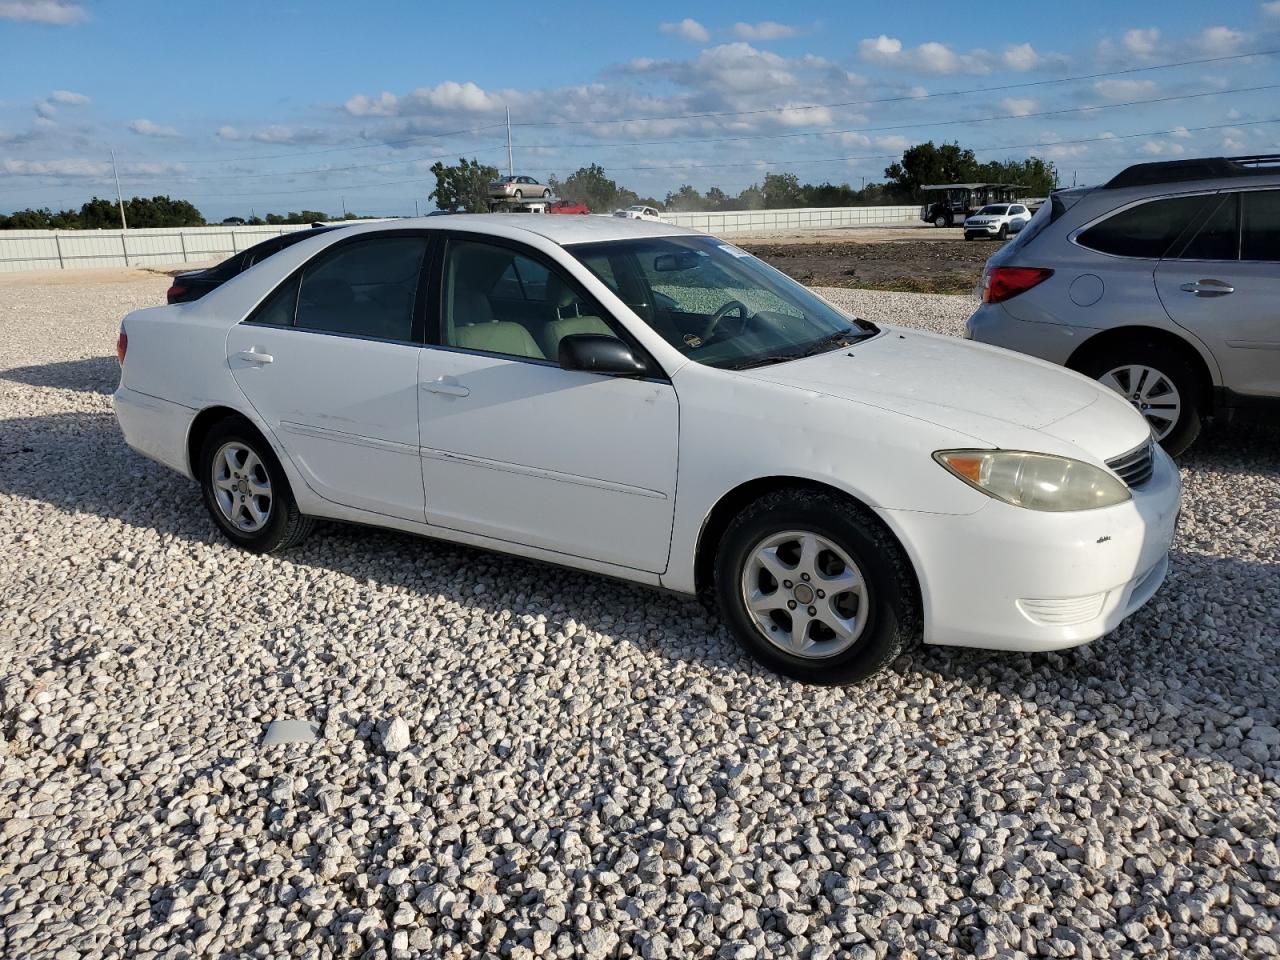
(122, 346)
(174, 292)
(1002, 283)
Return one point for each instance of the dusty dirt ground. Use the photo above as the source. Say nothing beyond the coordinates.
(934, 262)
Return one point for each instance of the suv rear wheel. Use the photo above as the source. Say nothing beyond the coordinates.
(1160, 384)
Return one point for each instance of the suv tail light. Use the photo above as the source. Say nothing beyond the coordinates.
(122, 346)
(1002, 283)
(174, 292)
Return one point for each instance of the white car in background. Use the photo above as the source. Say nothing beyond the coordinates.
(638, 211)
(648, 402)
(997, 221)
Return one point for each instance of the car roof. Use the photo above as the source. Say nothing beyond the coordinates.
(592, 228)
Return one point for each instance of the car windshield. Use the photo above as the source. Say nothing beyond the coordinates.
(717, 304)
(995, 209)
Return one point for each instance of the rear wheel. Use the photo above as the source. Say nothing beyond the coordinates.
(546, 194)
(519, 194)
(815, 588)
(1159, 383)
(246, 491)
(941, 220)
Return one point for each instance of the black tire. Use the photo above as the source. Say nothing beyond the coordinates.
(1174, 366)
(546, 194)
(285, 525)
(1004, 232)
(941, 220)
(519, 194)
(891, 598)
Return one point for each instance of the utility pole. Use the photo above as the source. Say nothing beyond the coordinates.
(511, 167)
(415, 208)
(119, 196)
(344, 207)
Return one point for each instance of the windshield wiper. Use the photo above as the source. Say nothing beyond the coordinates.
(833, 341)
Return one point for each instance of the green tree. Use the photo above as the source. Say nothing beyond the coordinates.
(782, 190)
(590, 185)
(926, 163)
(686, 199)
(829, 195)
(751, 198)
(463, 186)
(717, 199)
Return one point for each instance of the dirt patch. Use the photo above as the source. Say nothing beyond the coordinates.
(908, 265)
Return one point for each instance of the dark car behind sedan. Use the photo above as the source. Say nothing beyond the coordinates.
(194, 284)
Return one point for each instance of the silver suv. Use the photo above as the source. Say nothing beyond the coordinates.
(1163, 284)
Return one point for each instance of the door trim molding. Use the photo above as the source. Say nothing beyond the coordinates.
(321, 433)
(540, 472)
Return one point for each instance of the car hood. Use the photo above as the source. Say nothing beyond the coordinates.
(1001, 398)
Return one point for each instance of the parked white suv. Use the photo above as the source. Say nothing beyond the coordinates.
(638, 211)
(997, 220)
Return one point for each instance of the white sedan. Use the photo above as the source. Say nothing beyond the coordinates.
(644, 401)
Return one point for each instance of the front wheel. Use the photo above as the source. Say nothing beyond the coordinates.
(519, 194)
(815, 588)
(546, 194)
(1004, 232)
(1159, 383)
(941, 221)
(246, 491)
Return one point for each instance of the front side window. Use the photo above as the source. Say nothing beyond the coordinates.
(1219, 236)
(366, 288)
(1147, 230)
(717, 304)
(498, 300)
(1260, 233)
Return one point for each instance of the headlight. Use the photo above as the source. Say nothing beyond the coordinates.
(1037, 481)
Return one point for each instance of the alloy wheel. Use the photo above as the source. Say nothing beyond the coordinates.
(805, 594)
(1152, 394)
(241, 487)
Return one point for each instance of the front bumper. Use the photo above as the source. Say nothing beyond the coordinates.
(1006, 578)
(979, 229)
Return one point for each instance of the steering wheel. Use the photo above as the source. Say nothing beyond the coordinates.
(744, 312)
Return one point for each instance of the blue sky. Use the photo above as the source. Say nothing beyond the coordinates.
(240, 106)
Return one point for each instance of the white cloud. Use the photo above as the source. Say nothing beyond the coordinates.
(1142, 42)
(1220, 41)
(686, 29)
(764, 30)
(69, 98)
(46, 109)
(1159, 148)
(1181, 132)
(1124, 89)
(930, 57)
(228, 132)
(894, 142)
(1232, 139)
(1021, 57)
(43, 123)
(449, 96)
(277, 133)
(54, 12)
(146, 128)
(854, 139)
(1018, 107)
(805, 117)
(1271, 9)
(57, 168)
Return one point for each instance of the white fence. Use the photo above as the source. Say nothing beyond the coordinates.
(803, 218)
(76, 249)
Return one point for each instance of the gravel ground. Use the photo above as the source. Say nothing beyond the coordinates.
(514, 761)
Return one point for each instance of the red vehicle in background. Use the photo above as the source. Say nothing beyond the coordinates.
(567, 206)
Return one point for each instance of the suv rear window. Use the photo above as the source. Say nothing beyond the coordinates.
(1146, 230)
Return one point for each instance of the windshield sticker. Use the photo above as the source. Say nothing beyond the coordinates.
(693, 340)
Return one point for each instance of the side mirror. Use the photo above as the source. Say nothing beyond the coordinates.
(599, 353)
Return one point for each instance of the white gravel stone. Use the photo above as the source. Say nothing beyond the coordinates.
(558, 765)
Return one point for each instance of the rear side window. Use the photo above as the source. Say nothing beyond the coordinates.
(365, 289)
(1147, 230)
(1260, 234)
(1219, 237)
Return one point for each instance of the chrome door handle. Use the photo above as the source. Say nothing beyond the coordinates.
(1207, 288)
(253, 356)
(448, 389)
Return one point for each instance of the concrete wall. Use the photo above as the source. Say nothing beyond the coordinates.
(804, 218)
(77, 249)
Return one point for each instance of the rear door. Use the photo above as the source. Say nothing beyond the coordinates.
(1224, 286)
(330, 362)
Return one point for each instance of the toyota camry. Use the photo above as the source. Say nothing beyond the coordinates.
(640, 400)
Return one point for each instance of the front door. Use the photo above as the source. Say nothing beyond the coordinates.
(1225, 288)
(330, 363)
(518, 449)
